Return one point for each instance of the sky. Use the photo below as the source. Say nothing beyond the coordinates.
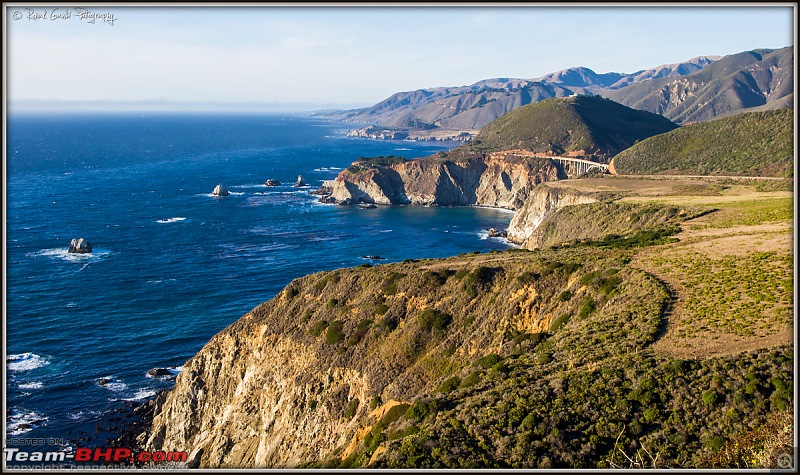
(306, 58)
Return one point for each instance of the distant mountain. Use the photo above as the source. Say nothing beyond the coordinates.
(470, 108)
(581, 125)
(698, 89)
(747, 144)
(759, 78)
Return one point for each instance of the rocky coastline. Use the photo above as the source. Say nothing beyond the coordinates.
(506, 181)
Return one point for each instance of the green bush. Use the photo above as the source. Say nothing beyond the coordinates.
(471, 380)
(449, 384)
(317, 328)
(587, 307)
(352, 408)
(433, 320)
(710, 398)
(489, 360)
(564, 296)
(334, 334)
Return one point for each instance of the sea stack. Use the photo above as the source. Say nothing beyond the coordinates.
(272, 182)
(300, 181)
(220, 190)
(79, 246)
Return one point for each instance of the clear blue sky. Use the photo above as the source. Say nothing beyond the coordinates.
(347, 56)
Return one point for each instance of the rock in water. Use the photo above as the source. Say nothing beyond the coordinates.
(160, 372)
(79, 246)
(220, 190)
(300, 181)
(272, 182)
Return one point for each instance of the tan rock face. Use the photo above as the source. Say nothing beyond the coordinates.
(542, 202)
(496, 180)
(278, 408)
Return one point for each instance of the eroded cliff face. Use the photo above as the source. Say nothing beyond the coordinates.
(543, 202)
(502, 181)
(256, 399)
(295, 380)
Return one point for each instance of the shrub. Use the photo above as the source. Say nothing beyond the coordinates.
(306, 315)
(489, 360)
(375, 402)
(390, 283)
(587, 307)
(558, 323)
(334, 334)
(317, 328)
(352, 408)
(435, 320)
(471, 379)
(710, 398)
(449, 384)
(564, 296)
(420, 410)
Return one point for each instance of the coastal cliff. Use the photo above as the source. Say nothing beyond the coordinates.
(295, 380)
(511, 180)
(496, 180)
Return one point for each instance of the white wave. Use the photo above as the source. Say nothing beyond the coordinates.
(141, 394)
(327, 169)
(386, 230)
(64, 254)
(402, 148)
(20, 422)
(25, 362)
(111, 384)
(174, 370)
(82, 416)
(483, 235)
(501, 210)
(33, 385)
(247, 186)
(170, 220)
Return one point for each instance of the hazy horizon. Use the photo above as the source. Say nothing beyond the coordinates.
(293, 59)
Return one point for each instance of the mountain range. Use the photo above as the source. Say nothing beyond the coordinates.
(699, 89)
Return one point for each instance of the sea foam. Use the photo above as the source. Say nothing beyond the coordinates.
(25, 362)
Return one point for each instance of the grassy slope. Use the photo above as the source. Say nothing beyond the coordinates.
(593, 124)
(748, 144)
(570, 357)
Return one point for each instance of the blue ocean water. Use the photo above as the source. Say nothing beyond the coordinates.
(173, 265)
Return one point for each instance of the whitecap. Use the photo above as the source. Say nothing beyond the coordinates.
(33, 385)
(25, 362)
(64, 254)
(111, 384)
(170, 220)
(141, 394)
(402, 148)
(22, 421)
(82, 416)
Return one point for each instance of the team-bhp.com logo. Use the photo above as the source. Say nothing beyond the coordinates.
(119, 455)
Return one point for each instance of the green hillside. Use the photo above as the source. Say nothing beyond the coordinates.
(588, 125)
(747, 144)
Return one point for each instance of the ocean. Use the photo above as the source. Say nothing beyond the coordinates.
(172, 264)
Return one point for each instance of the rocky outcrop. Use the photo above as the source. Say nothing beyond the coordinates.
(220, 190)
(300, 181)
(496, 180)
(542, 203)
(79, 246)
(272, 182)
